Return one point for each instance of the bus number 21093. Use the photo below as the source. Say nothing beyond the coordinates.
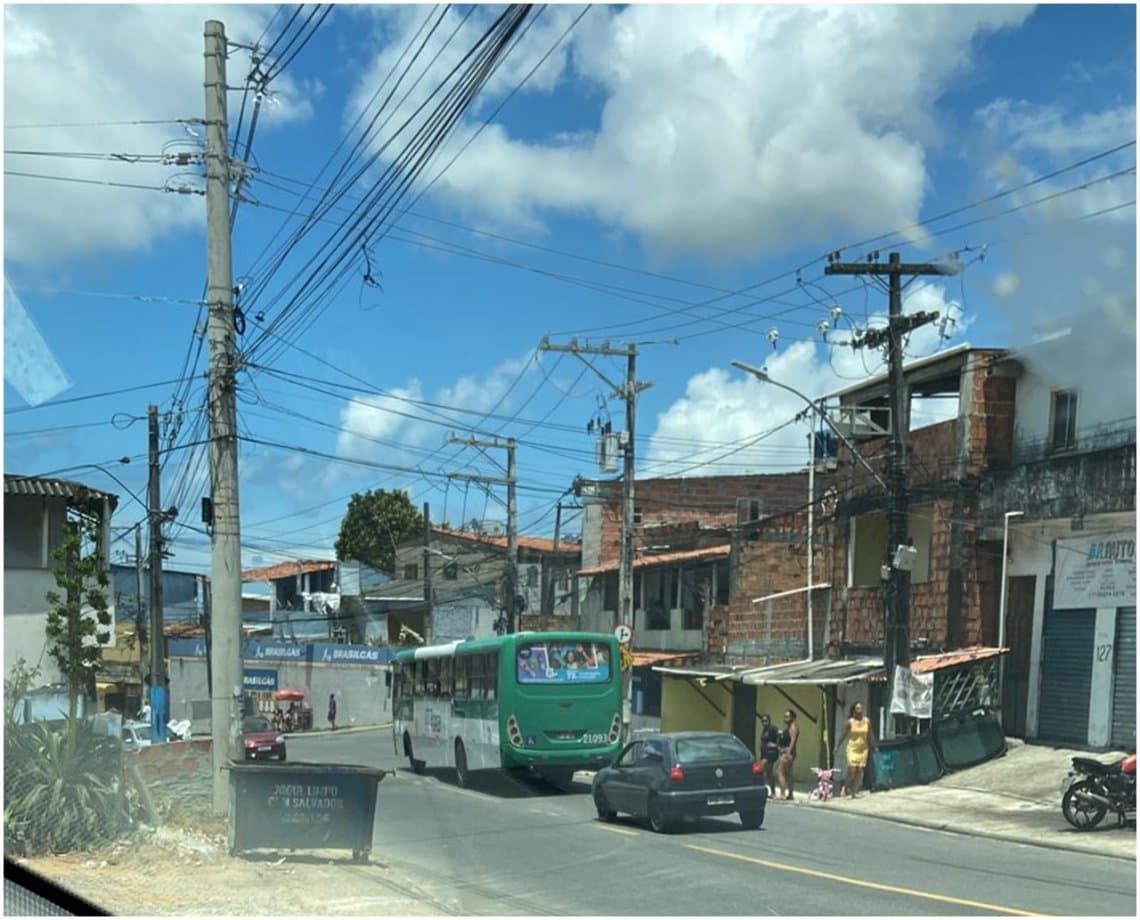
(594, 738)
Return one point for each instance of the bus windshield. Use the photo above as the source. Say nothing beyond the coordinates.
(563, 663)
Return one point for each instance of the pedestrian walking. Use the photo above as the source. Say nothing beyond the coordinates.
(332, 710)
(769, 751)
(860, 738)
(786, 741)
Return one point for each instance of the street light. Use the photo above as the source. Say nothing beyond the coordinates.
(1001, 607)
(764, 378)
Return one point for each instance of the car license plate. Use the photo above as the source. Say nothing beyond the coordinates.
(265, 747)
(721, 799)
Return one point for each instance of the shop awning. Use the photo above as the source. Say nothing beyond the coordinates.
(707, 672)
(814, 673)
(640, 659)
(926, 664)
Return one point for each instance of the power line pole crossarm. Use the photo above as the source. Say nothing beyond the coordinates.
(896, 644)
(226, 693)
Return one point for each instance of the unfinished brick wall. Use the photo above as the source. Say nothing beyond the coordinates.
(160, 762)
(670, 507)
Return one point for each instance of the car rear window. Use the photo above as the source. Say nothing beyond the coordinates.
(711, 750)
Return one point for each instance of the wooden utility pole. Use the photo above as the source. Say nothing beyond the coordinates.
(226, 693)
(511, 587)
(158, 702)
(896, 640)
(627, 392)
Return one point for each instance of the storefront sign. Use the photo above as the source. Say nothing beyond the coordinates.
(258, 650)
(913, 694)
(262, 679)
(1095, 571)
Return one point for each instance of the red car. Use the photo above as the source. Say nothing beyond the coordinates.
(261, 740)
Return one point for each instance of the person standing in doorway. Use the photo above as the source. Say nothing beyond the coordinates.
(769, 751)
(332, 710)
(787, 740)
(860, 744)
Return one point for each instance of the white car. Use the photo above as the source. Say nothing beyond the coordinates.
(136, 734)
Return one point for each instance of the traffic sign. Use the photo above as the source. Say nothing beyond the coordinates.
(624, 633)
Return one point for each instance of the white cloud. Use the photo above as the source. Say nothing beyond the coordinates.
(1034, 128)
(146, 65)
(705, 432)
(728, 130)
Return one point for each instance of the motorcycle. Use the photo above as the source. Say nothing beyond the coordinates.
(1093, 788)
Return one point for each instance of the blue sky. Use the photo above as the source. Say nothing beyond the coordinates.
(622, 173)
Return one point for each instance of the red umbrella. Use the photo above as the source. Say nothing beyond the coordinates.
(287, 693)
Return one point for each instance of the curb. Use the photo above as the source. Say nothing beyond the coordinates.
(974, 832)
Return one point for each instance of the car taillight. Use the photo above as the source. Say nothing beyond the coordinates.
(676, 775)
(757, 768)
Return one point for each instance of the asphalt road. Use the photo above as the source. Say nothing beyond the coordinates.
(519, 847)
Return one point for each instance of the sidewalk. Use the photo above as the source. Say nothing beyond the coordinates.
(1016, 797)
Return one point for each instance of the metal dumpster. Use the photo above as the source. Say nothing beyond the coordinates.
(297, 806)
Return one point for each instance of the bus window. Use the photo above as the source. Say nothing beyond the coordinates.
(475, 676)
(445, 677)
(491, 674)
(584, 662)
(420, 680)
(460, 677)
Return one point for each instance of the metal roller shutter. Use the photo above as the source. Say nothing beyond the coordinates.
(1066, 673)
(1124, 680)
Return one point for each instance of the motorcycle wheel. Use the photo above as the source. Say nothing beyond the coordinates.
(1083, 814)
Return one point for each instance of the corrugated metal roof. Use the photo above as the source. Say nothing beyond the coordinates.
(814, 672)
(687, 555)
(285, 569)
(55, 488)
(928, 663)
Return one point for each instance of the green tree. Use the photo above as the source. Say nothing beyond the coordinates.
(78, 621)
(375, 523)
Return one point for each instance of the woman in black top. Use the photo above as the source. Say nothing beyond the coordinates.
(769, 750)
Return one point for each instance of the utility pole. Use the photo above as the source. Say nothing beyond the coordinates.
(226, 692)
(427, 575)
(512, 568)
(155, 519)
(896, 644)
(627, 392)
(550, 588)
(139, 595)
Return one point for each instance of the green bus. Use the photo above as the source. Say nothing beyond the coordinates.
(545, 701)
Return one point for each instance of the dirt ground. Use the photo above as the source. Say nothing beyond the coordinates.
(172, 871)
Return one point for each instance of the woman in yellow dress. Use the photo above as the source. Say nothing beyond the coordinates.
(860, 743)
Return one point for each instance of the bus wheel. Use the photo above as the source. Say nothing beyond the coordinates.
(462, 777)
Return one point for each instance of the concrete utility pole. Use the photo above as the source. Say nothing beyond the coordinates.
(139, 595)
(155, 519)
(551, 572)
(225, 584)
(627, 392)
(427, 575)
(896, 651)
(511, 480)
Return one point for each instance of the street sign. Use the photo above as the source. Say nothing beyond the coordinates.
(624, 633)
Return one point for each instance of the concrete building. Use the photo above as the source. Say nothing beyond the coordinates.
(35, 511)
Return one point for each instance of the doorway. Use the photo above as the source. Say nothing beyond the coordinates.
(1018, 638)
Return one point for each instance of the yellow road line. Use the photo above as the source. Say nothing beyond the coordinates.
(616, 830)
(893, 889)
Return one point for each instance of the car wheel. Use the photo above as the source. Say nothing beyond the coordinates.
(605, 813)
(752, 820)
(658, 820)
(462, 777)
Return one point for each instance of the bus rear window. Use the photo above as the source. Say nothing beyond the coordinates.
(563, 663)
